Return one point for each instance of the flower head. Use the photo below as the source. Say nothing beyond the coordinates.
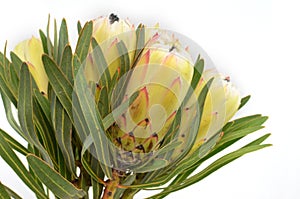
(30, 51)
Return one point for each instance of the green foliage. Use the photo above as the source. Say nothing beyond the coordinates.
(70, 127)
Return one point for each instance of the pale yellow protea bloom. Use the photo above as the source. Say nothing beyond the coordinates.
(30, 51)
(108, 31)
(162, 76)
(222, 102)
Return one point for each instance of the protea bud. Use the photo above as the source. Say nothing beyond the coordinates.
(30, 51)
(108, 31)
(221, 104)
(162, 76)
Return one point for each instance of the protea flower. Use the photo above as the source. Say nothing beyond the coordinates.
(108, 31)
(221, 104)
(148, 119)
(127, 110)
(30, 51)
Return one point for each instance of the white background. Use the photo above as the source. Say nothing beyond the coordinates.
(256, 42)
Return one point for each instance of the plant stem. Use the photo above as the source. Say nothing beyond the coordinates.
(111, 186)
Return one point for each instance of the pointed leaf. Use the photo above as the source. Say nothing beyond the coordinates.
(63, 39)
(3, 193)
(84, 40)
(244, 101)
(25, 111)
(13, 143)
(53, 180)
(15, 163)
(211, 168)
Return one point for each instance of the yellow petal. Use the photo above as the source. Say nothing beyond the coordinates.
(31, 51)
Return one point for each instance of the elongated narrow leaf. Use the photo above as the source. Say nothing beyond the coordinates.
(101, 65)
(25, 111)
(15, 163)
(55, 40)
(6, 89)
(16, 62)
(211, 168)
(61, 85)
(140, 44)
(97, 186)
(238, 134)
(44, 132)
(84, 41)
(48, 40)
(3, 193)
(183, 176)
(63, 133)
(244, 101)
(63, 90)
(63, 40)
(9, 115)
(244, 122)
(53, 180)
(156, 164)
(198, 69)
(93, 121)
(44, 104)
(44, 41)
(13, 143)
(124, 74)
(66, 63)
(79, 27)
(10, 192)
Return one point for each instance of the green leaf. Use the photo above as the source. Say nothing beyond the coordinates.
(16, 62)
(15, 163)
(25, 110)
(211, 168)
(55, 48)
(63, 90)
(49, 43)
(66, 63)
(44, 104)
(63, 133)
(3, 193)
(13, 143)
(10, 192)
(63, 40)
(244, 101)
(9, 115)
(101, 65)
(44, 42)
(79, 27)
(84, 40)
(238, 134)
(198, 69)
(61, 85)
(44, 131)
(53, 180)
(249, 121)
(154, 165)
(140, 44)
(6, 88)
(124, 74)
(14, 78)
(97, 186)
(93, 122)
(91, 172)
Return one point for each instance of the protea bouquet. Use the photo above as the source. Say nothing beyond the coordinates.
(127, 109)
